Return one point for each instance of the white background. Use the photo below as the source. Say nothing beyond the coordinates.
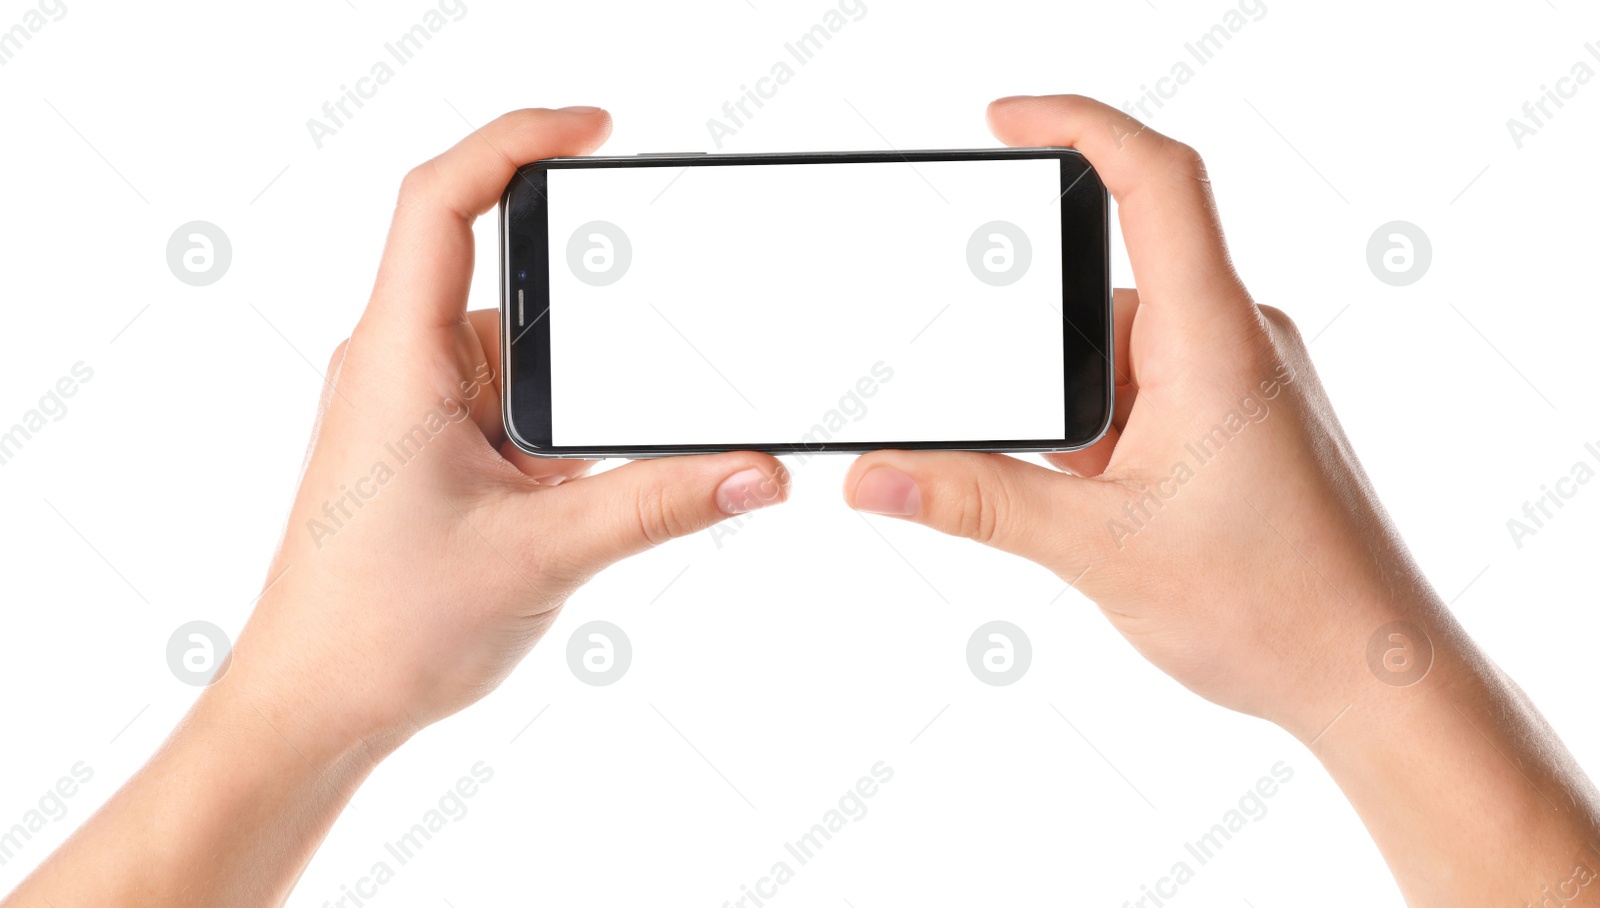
(812, 643)
(757, 297)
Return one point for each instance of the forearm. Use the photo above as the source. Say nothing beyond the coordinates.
(228, 812)
(1469, 794)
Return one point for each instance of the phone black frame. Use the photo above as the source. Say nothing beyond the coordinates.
(1087, 333)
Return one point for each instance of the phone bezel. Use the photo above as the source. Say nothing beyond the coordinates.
(1087, 332)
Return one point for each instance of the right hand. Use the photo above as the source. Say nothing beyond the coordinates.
(1223, 524)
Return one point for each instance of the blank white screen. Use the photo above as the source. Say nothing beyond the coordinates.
(823, 303)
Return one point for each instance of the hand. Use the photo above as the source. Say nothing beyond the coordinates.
(1226, 529)
(1191, 522)
(425, 554)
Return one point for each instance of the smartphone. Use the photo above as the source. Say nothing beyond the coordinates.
(806, 303)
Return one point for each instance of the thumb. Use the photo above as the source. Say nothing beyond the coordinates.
(642, 504)
(1013, 505)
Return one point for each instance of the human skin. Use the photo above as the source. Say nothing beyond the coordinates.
(1259, 577)
(425, 597)
(1258, 584)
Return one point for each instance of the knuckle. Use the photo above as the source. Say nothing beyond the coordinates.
(1186, 160)
(1277, 350)
(985, 508)
(1276, 317)
(1281, 327)
(659, 519)
(416, 184)
(337, 359)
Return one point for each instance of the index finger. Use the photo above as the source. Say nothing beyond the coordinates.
(427, 259)
(1169, 218)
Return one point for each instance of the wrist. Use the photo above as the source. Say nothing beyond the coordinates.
(1458, 770)
(247, 782)
(1383, 655)
(331, 695)
(328, 732)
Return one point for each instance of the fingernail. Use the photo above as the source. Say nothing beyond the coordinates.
(747, 490)
(885, 490)
(578, 109)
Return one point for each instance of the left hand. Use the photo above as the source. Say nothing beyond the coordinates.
(426, 554)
